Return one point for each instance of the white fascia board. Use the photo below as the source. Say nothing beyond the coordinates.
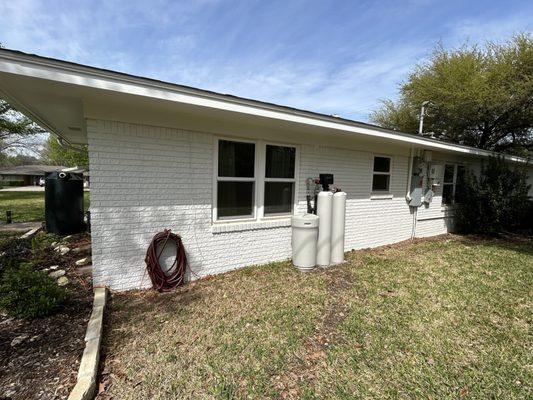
(32, 66)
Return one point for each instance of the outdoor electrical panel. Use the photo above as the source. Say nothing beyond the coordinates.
(417, 182)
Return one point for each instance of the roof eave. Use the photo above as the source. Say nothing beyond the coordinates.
(46, 68)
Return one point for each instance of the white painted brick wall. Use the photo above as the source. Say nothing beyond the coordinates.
(369, 222)
(145, 179)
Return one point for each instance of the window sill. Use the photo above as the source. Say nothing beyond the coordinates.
(384, 196)
(267, 223)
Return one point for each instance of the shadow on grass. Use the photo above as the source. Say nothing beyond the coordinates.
(519, 243)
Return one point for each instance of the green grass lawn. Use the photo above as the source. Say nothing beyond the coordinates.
(27, 206)
(447, 318)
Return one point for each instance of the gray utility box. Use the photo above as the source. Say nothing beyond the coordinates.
(417, 182)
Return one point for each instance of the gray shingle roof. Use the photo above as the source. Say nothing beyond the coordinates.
(30, 169)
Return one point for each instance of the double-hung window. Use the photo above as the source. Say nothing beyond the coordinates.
(381, 174)
(254, 180)
(279, 179)
(236, 180)
(452, 184)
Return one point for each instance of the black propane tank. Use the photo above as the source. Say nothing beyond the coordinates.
(64, 203)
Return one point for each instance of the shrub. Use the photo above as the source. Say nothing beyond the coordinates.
(15, 183)
(495, 202)
(26, 293)
(13, 252)
(43, 241)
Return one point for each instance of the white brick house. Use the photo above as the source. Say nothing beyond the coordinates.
(225, 173)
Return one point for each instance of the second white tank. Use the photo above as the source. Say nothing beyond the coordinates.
(337, 227)
(324, 210)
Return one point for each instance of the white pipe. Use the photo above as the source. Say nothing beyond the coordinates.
(415, 218)
(422, 112)
(421, 126)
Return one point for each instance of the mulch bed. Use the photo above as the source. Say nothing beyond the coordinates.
(45, 363)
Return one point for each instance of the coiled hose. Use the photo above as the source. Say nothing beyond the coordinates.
(174, 277)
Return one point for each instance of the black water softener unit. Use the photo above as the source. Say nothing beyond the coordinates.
(64, 203)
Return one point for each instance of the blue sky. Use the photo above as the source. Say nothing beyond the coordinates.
(336, 57)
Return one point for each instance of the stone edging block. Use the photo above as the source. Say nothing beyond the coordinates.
(86, 384)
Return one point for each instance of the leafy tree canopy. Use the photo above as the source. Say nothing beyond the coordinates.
(18, 159)
(17, 132)
(56, 154)
(479, 96)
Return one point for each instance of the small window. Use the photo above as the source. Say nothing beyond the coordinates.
(453, 184)
(381, 175)
(235, 179)
(279, 179)
(449, 171)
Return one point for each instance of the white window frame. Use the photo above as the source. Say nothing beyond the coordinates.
(377, 192)
(259, 179)
(217, 179)
(453, 183)
(265, 180)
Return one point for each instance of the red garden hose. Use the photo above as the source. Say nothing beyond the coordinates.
(174, 277)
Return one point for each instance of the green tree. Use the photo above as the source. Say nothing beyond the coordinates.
(68, 156)
(479, 96)
(17, 132)
(496, 201)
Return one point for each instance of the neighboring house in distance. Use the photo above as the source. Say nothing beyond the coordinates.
(26, 175)
(224, 172)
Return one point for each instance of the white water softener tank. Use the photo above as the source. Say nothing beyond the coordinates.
(324, 208)
(337, 227)
(304, 239)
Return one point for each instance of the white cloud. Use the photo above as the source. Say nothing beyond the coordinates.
(347, 78)
(481, 30)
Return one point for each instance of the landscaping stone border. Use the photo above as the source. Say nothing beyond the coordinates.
(31, 233)
(86, 384)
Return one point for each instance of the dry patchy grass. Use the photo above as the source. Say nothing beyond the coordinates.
(441, 318)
